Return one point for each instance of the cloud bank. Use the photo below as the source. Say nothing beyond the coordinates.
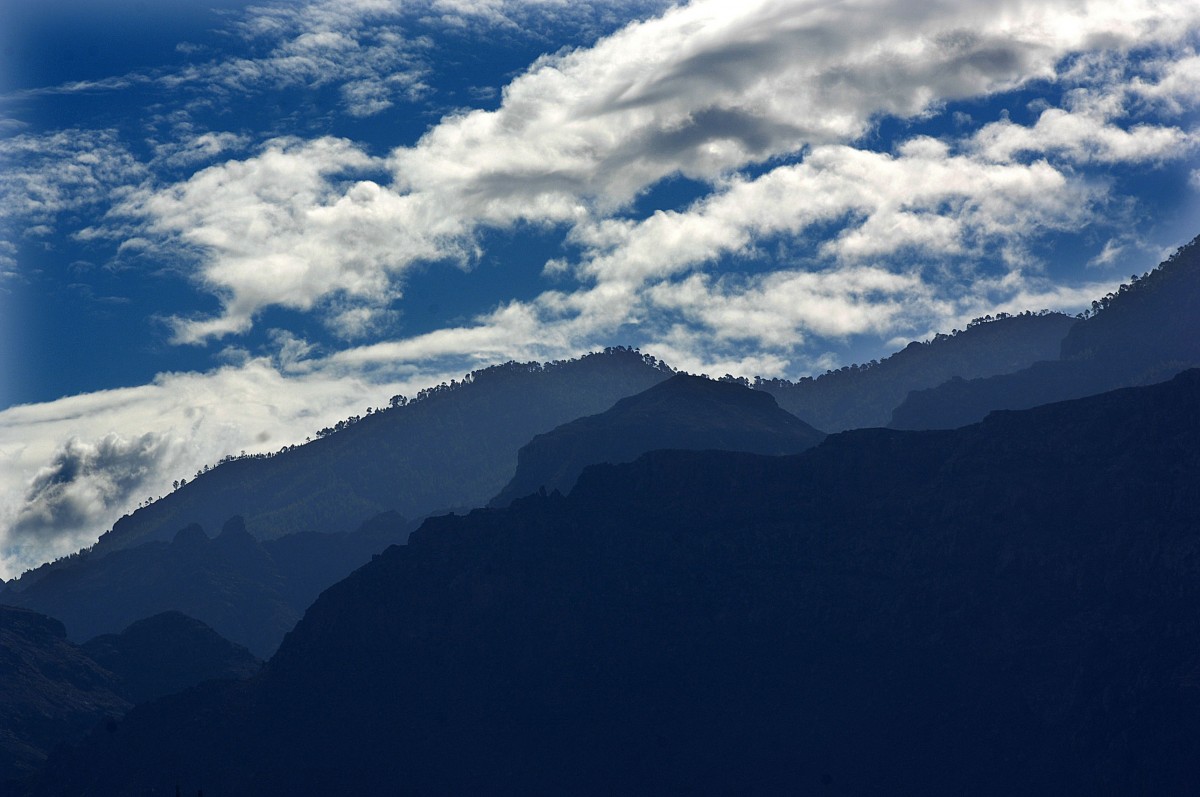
(702, 92)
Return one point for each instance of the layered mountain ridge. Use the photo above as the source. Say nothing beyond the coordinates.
(1144, 333)
(683, 412)
(1004, 607)
(252, 592)
(53, 692)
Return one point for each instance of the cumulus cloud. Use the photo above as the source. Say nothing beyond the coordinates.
(288, 227)
(84, 480)
(702, 91)
(920, 199)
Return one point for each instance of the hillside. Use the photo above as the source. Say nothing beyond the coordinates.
(1147, 332)
(683, 412)
(50, 691)
(53, 692)
(168, 653)
(857, 397)
(454, 447)
(252, 592)
(1004, 608)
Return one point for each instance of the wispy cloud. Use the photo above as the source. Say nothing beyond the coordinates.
(42, 175)
(69, 468)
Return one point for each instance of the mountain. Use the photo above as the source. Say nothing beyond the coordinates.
(857, 397)
(252, 592)
(168, 653)
(683, 412)
(50, 691)
(453, 446)
(1004, 608)
(1146, 332)
(53, 692)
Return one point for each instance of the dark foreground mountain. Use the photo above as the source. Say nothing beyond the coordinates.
(1004, 608)
(52, 691)
(252, 592)
(684, 412)
(168, 653)
(856, 397)
(1147, 332)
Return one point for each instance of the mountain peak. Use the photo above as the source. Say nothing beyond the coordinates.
(682, 412)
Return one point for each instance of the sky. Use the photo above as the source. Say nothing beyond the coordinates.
(224, 225)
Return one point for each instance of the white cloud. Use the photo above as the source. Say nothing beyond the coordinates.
(701, 91)
(921, 199)
(57, 496)
(42, 176)
(85, 480)
(197, 148)
(1083, 137)
(291, 226)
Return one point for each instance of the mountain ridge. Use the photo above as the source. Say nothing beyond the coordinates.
(681, 412)
(999, 608)
(1145, 332)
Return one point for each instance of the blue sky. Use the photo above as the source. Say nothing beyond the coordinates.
(224, 225)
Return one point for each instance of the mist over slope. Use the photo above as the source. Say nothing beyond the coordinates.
(454, 446)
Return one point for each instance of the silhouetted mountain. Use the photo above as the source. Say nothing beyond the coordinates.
(168, 653)
(53, 692)
(1147, 332)
(50, 692)
(1005, 608)
(251, 592)
(684, 412)
(856, 396)
(454, 447)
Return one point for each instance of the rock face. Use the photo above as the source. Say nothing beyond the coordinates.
(50, 691)
(1149, 331)
(684, 412)
(1004, 608)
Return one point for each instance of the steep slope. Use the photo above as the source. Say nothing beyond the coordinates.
(50, 692)
(252, 592)
(684, 412)
(1147, 332)
(856, 397)
(168, 653)
(455, 447)
(1004, 608)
